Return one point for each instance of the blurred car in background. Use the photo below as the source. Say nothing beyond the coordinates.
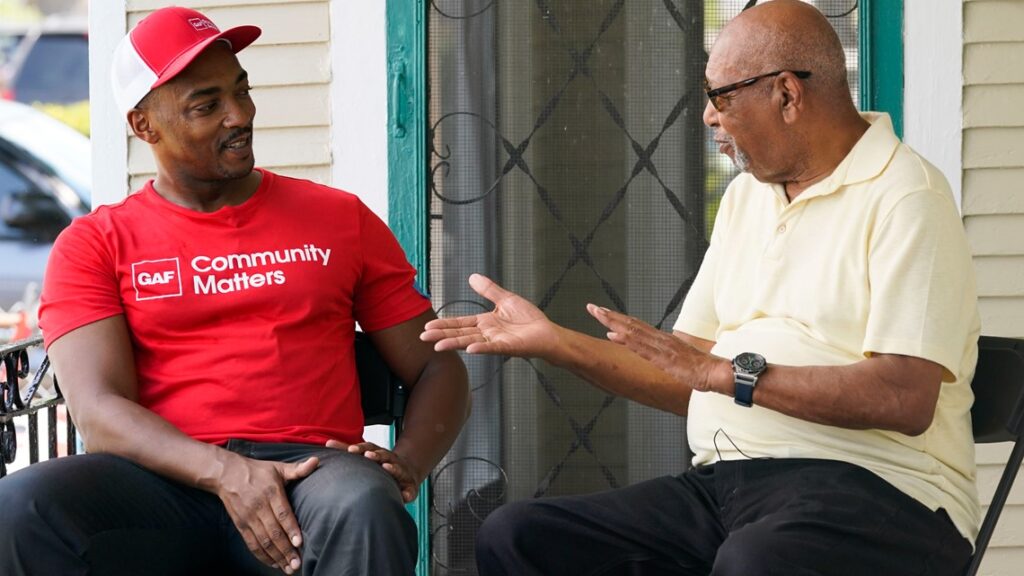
(10, 38)
(45, 174)
(46, 62)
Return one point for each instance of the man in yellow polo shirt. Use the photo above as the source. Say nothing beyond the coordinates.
(823, 355)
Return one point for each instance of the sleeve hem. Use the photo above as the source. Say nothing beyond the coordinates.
(395, 318)
(51, 336)
(921, 350)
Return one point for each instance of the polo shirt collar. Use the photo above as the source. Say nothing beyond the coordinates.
(868, 157)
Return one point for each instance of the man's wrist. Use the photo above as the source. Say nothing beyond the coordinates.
(210, 473)
(565, 351)
(721, 378)
(418, 470)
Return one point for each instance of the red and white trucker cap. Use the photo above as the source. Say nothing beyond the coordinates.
(162, 45)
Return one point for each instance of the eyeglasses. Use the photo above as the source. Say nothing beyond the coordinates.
(715, 96)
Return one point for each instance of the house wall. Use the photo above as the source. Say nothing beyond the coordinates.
(993, 208)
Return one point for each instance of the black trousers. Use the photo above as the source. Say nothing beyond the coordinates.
(99, 514)
(741, 518)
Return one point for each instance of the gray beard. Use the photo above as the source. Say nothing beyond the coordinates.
(739, 157)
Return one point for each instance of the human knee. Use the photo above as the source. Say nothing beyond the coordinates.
(359, 495)
(17, 512)
(503, 527)
(372, 503)
(745, 553)
(20, 505)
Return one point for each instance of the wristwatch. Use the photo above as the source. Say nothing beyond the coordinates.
(746, 368)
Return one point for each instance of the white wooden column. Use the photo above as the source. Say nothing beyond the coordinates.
(933, 84)
(107, 25)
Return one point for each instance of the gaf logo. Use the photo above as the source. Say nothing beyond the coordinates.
(202, 24)
(156, 279)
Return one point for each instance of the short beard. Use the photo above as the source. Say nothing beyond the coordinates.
(739, 157)
(225, 175)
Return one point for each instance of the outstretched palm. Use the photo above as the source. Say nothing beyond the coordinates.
(514, 328)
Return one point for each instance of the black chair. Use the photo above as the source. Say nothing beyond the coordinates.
(998, 415)
(382, 392)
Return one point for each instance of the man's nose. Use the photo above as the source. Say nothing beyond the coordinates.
(239, 112)
(710, 115)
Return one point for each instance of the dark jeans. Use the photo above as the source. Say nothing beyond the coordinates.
(99, 514)
(743, 518)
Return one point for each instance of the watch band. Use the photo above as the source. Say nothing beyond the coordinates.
(744, 391)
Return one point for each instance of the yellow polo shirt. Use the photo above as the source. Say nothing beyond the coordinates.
(871, 260)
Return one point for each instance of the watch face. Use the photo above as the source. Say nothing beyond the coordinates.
(750, 363)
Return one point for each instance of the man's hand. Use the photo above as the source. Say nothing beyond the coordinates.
(408, 480)
(683, 362)
(514, 328)
(253, 494)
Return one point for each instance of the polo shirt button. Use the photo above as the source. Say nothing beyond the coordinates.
(781, 229)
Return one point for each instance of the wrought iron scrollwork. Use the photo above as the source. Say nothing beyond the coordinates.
(516, 159)
(8, 443)
(460, 515)
(15, 361)
(478, 12)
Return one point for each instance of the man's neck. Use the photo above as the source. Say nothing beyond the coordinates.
(829, 149)
(205, 195)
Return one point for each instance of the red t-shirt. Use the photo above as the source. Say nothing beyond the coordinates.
(242, 320)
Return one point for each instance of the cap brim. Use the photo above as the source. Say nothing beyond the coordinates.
(238, 38)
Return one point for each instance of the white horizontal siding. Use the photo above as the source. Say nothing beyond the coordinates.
(287, 64)
(1000, 276)
(993, 21)
(1002, 561)
(996, 234)
(993, 206)
(994, 63)
(994, 147)
(994, 191)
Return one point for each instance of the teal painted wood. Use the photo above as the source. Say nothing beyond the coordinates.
(407, 132)
(408, 214)
(881, 58)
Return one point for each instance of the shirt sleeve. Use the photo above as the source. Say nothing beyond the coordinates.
(385, 294)
(80, 285)
(922, 282)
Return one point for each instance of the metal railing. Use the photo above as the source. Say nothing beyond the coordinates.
(15, 373)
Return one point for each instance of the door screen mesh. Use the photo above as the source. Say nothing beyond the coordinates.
(569, 162)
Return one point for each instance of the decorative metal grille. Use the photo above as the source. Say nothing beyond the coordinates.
(569, 162)
(41, 394)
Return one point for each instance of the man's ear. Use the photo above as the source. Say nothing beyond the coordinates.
(790, 96)
(142, 125)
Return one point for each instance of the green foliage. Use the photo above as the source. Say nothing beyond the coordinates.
(75, 115)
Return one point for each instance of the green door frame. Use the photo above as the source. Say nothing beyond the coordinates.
(881, 58)
(881, 88)
(408, 209)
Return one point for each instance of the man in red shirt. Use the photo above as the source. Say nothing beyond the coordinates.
(202, 331)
